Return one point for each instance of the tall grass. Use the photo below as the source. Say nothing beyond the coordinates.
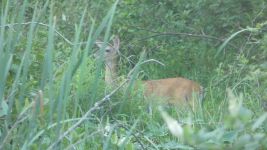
(47, 103)
(40, 110)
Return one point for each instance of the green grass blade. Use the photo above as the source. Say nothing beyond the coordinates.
(66, 82)
(107, 22)
(230, 38)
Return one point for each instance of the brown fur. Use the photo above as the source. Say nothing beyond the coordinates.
(175, 90)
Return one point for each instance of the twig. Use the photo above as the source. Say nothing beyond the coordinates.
(11, 129)
(41, 24)
(250, 34)
(135, 136)
(86, 115)
(141, 63)
(39, 134)
(181, 34)
(79, 141)
(21, 117)
(151, 142)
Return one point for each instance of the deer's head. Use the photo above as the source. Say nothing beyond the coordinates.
(110, 51)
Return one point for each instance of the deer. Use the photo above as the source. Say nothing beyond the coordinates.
(176, 91)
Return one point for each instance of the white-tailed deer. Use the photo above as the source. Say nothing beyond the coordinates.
(177, 91)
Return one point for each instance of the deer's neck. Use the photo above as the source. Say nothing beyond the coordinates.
(111, 72)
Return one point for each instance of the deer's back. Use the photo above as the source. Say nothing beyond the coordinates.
(175, 90)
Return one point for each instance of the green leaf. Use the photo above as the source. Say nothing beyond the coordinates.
(229, 39)
(259, 121)
(3, 108)
(230, 136)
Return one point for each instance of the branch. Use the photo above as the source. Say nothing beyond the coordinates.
(86, 115)
(6, 138)
(133, 134)
(21, 118)
(41, 24)
(180, 34)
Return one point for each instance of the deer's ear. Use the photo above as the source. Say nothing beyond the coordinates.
(116, 42)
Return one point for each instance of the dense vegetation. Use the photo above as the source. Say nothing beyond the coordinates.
(53, 95)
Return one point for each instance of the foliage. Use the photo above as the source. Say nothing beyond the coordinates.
(52, 94)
